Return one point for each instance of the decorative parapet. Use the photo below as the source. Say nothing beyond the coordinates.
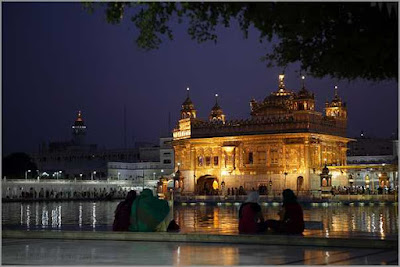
(296, 122)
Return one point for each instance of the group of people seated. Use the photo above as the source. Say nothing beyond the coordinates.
(144, 213)
(147, 213)
(251, 219)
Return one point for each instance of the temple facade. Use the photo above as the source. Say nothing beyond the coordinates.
(284, 144)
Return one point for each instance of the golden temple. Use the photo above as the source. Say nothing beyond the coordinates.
(284, 144)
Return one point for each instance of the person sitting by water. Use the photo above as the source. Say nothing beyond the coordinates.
(291, 216)
(123, 212)
(148, 213)
(251, 220)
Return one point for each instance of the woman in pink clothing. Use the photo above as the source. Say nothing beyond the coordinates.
(251, 220)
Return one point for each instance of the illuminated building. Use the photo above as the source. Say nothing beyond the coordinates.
(77, 159)
(145, 173)
(373, 162)
(284, 144)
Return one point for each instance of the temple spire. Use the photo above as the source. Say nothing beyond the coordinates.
(217, 115)
(188, 110)
(281, 82)
(303, 78)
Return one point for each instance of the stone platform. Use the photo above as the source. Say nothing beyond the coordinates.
(262, 239)
(110, 252)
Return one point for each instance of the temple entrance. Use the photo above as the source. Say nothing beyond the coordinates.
(207, 185)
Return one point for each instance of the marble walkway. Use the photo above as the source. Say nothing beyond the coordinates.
(110, 252)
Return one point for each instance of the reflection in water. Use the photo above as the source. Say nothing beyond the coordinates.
(28, 216)
(221, 254)
(80, 215)
(37, 214)
(45, 217)
(313, 256)
(94, 215)
(379, 220)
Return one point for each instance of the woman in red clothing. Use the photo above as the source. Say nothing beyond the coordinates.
(291, 221)
(251, 220)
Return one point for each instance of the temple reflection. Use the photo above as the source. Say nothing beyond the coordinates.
(212, 219)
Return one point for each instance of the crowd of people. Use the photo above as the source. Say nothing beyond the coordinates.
(361, 190)
(42, 194)
(234, 191)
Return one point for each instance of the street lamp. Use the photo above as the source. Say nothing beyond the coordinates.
(119, 174)
(26, 174)
(59, 172)
(93, 174)
(154, 175)
(179, 164)
(80, 175)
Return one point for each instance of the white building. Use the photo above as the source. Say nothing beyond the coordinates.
(372, 162)
(145, 173)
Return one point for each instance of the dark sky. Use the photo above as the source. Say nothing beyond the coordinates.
(58, 59)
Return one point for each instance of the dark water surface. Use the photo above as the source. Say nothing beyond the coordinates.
(376, 220)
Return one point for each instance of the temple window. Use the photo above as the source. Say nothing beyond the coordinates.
(216, 161)
(200, 161)
(262, 157)
(250, 159)
(208, 161)
(274, 156)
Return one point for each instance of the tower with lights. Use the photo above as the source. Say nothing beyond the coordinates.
(78, 130)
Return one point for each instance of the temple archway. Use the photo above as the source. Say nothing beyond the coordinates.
(206, 185)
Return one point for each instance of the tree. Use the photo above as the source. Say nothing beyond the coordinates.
(16, 164)
(343, 40)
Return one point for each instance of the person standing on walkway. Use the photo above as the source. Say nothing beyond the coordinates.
(251, 220)
(123, 212)
(291, 221)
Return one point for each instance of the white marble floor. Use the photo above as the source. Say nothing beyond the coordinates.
(89, 252)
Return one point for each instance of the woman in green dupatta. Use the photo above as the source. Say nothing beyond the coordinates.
(147, 212)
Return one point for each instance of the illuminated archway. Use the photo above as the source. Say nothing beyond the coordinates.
(207, 185)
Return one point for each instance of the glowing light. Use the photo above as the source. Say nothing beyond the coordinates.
(215, 185)
(216, 95)
(281, 77)
(303, 77)
(187, 89)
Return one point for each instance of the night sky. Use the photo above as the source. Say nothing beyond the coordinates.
(58, 59)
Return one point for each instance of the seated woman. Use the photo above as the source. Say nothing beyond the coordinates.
(123, 212)
(291, 221)
(148, 213)
(251, 220)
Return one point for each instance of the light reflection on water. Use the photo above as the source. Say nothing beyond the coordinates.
(222, 219)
